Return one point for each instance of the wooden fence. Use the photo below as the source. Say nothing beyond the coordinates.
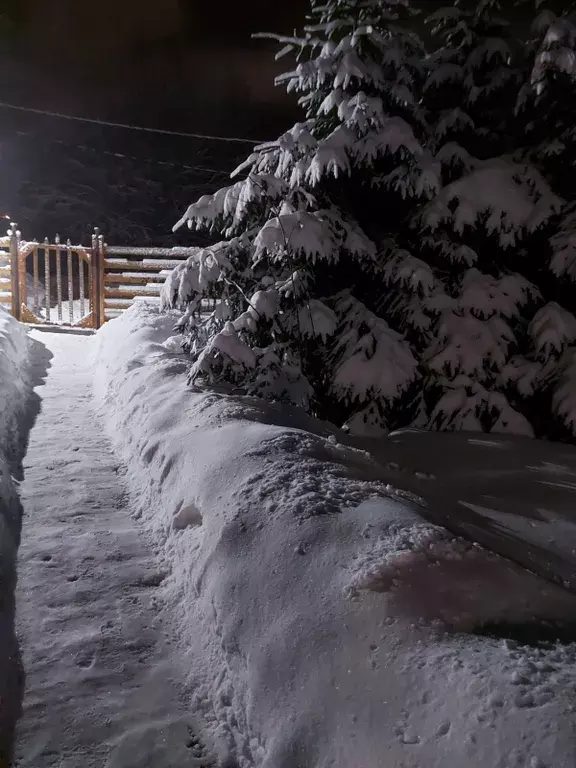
(57, 283)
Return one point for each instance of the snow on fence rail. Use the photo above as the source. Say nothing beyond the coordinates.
(82, 286)
(131, 274)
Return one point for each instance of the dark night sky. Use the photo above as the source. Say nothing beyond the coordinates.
(188, 64)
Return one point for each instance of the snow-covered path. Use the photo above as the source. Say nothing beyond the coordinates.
(101, 687)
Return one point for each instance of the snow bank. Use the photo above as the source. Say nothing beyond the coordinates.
(14, 382)
(14, 394)
(322, 620)
(14, 397)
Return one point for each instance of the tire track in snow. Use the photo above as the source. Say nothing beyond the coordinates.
(101, 686)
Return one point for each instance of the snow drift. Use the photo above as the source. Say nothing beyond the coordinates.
(323, 622)
(14, 395)
(14, 402)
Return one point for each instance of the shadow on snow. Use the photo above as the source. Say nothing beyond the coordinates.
(12, 676)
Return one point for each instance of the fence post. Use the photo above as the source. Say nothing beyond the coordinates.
(94, 281)
(14, 235)
(102, 295)
(98, 278)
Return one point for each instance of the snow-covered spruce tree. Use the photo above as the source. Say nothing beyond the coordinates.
(544, 101)
(480, 299)
(546, 375)
(475, 72)
(297, 272)
(465, 300)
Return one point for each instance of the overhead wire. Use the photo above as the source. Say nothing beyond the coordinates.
(126, 126)
(121, 155)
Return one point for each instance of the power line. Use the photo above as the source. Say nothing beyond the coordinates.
(126, 126)
(83, 147)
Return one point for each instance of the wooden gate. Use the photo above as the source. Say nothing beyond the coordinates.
(56, 283)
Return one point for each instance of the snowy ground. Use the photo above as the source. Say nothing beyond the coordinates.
(101, 684)
(322, 620)
(289, 601)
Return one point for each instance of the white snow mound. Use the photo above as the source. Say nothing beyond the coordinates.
(14, 381)
(14, 402)
(14, 393)
(322, 620)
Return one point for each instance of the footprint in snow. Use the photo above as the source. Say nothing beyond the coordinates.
(153, 579)
(186, 517)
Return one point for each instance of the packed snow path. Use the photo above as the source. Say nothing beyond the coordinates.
(100, 684)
